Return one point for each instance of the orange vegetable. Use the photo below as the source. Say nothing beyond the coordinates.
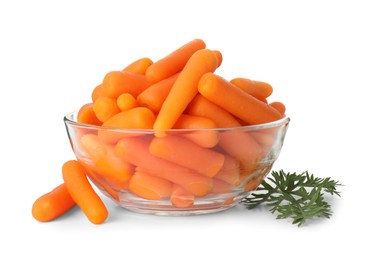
(230, 171)
(205, 136)
(116, 83)
(87, 115)
(184, 88)
(228, 96)
(105, 108)
(154, 96)
(200, 106)
(181, 198)
(52, 204)
(139, 66)
(279, 106)
(136, 151)
(97, 92)
(221, 187)
(258, 89)
(173, 62)
(183, 152)
(149, 187)
(135, 118)
(126, 101)
(107, 165)
(82, 192)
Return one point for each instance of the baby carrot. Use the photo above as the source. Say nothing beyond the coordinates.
(173, 62)
(83, 193)
(52, 204)
(105, 108)
(258, 89)
(139, 66)
(154, 96)
(126, 101)
(116, 83)
(180, 197)
(228, 96)
(220, 187)
(135, 118)
(149, 187)
(183, 152)
(97, 92)
(111, 169)
(87, 115)
(200, 106)
(136, 151)
(184, 88)
(279, 106)
(230, 171)
(205, 137)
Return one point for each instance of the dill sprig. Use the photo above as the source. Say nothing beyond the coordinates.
(296, 196)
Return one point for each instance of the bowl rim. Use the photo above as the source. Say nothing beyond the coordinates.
(69, 119)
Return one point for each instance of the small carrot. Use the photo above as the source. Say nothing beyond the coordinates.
(105, 108)
(106, 165)
(174, 61)
(258, 89)
(126, 101)
(181, 198)
(149, 187)
(116, 83)
(205, 136)
(230, 171)
(279, 106)
(97, 92)
(184, 89)
(135, 118)
(83, 193)
(136, 151)
(52, 204)
(87, 115)
(186, 153)
(154, 96)
(221, 187)
(200, 106)
(228, 96)
(139, 66)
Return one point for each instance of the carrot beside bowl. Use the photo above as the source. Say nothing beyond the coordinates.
(186, 171)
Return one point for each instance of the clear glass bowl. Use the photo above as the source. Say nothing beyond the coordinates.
(186, 172)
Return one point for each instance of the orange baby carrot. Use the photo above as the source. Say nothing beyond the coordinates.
(82, 192)
(184, 152)
(97, 92)
(139, 66)
(135, 118)
(136, 151)
(126, 101)
(87, 115)
(105, 108)
(220, 187)
(180, 197)
(116, 83)
(234, 100)
(200, 106)
(173, 62)
(258, 89)
(279, 106)
(184, 89)
(205, 136)
(52, 204)
(149, 187)
(154, 96)
(230, 171)
(111, 169)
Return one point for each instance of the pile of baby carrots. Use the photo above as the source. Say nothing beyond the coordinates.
(179, 91)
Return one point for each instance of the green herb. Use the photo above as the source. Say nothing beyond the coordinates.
(296, 196)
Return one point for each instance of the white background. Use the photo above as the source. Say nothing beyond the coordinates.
(317, 55)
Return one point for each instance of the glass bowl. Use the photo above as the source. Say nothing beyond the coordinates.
(185, 172)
